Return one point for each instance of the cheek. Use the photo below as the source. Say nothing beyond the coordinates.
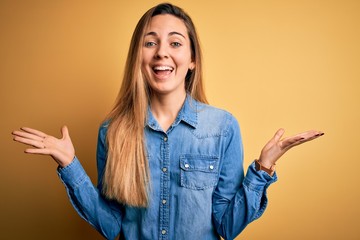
(187, 59)
(145, 65)
(145, 58)
(182, 60)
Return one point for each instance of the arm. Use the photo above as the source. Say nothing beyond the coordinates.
(87, 200)
(238, 199)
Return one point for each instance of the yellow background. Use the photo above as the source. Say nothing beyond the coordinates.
(272, 63)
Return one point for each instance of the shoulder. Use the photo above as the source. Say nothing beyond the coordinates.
(213, 112)
(215, 120)
(103, 131)
(104, 125)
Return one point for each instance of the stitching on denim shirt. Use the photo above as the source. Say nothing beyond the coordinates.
(80, 181)
(195, 132)
(200, 133)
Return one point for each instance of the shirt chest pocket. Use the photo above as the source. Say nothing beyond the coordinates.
(198, 171)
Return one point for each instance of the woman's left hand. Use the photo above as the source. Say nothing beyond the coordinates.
(276, 147)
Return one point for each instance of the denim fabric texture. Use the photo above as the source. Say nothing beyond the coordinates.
(198, 187)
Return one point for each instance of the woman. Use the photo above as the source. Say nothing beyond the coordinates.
(169, 165)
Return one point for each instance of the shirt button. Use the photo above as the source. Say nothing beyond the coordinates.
(165, 139)
(187, 165)
(211, 167)
(163, 232)
(163, 201)
(164, 169)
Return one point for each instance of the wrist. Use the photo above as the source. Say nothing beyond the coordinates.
(67, 162)
(268, 168)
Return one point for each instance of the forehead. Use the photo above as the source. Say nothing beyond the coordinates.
(165, 24)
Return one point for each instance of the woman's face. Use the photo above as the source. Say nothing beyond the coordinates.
(166, 55)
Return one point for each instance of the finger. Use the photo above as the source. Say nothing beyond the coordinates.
(318, 134)
(42, 151)
(309, 135)
(309, 138)
(279, 133)
(291, 142)
(34, 143)
(27, 135)
(65, 132)
(34, 131)
(300, 139)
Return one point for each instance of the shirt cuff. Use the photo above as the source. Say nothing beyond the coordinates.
(73, 174)
(257, 180)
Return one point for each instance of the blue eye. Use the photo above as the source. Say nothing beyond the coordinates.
(149, 44)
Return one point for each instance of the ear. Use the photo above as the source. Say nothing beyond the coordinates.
(191, 66)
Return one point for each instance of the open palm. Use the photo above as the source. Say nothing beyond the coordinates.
(61, 150)
(276, 147)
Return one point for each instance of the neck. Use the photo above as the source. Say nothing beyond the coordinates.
(165, 108)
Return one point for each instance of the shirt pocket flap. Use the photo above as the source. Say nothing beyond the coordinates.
(200, 163)
(198, 171)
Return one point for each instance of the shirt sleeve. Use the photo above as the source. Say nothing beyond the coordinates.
(104, 215)
(238, 199)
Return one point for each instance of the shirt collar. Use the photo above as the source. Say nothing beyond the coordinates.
(187, 114)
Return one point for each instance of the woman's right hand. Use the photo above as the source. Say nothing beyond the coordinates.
(61, 150)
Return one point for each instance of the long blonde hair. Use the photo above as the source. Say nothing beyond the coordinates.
(126, 177)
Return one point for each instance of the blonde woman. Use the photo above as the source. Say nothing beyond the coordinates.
(169, 165)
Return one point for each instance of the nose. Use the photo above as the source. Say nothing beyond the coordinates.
(162, 51)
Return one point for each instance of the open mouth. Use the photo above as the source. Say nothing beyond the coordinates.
(163, 70)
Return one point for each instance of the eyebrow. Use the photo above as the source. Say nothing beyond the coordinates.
(170, 34)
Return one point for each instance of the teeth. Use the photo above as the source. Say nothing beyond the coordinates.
(163, 68)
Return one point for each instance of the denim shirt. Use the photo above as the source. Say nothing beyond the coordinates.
(197, 189)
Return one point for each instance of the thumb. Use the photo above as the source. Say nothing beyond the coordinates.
(65, 132)
(279, 133)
